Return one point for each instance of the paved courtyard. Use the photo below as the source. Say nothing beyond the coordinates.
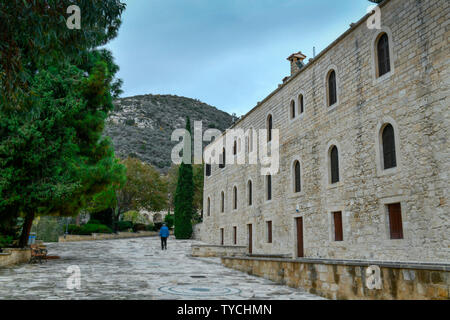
(136, 269)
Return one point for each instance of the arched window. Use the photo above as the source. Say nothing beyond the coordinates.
(269, 128)
(222, 160)
(292, 109)
(235, 147)
(222, 202)
(384, 60)
(208, 169)
(334, 164)
(249, 188)
(208, 207)
(250, 137)
(235, 198)
(269, 187)
(297, 181)
(332, 92)
(389, 155)
(301, 106)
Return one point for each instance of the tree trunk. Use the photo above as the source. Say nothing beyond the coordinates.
(23, 241)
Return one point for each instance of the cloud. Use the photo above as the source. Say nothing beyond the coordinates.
(228, 53)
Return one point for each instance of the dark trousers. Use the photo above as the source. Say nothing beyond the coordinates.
(163, 243)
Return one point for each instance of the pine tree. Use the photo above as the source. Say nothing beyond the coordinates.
(184, 194)
(53, 158)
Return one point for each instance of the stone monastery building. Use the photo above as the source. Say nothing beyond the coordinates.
(363, 149)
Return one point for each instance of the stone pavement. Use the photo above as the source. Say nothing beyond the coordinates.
(136, 269)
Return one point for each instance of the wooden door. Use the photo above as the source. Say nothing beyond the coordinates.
(299, 222)
(395, 221)
(338, 233)
(250, 239)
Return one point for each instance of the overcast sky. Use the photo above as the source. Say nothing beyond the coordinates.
(227, 53)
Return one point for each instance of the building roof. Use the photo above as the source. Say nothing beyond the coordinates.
(311, 62)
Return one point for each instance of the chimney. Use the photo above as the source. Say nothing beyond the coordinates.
(296, 60)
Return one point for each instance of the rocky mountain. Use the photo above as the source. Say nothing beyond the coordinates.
(141, 126)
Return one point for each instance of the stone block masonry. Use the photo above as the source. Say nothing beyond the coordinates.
(199, 250)
(107, 236)
(11, 257)
(413, 97)
(346, 280)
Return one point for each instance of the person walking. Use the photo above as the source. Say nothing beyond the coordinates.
(164, 234)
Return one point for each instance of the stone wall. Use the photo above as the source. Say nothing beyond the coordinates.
(108, 236)
(413, 97)
(217, 251)
(335, 279)
(197, 232)
(14, 256)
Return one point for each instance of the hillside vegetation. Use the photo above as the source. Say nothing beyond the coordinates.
(141, 126)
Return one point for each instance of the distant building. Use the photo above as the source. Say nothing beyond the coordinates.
(154, 216)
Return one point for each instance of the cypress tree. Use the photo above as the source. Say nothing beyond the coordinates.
(184, 194)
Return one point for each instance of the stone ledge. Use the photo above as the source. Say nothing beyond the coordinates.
(205, 250)
(361, 263)
(270, 256)
(343, 279)
(215, 246)
(108, 236)
(12, 256)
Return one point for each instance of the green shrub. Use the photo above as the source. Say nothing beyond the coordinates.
(158, 225)
(5, 241)
(169, 220)
(124, 225)
(150, 227)
(104, 217)
(94, 228)
(88, 229)
(73, 229)
(93, 221)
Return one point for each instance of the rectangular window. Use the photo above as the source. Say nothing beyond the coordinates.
(395, 221)
(384, 64)
(208, 169)
(332, 88)
(235, 235)
(221, 237)
(338, 234)
(269, 187)
(269, 231)
(301, 104)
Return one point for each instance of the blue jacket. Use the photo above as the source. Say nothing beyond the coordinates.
(164, 232)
